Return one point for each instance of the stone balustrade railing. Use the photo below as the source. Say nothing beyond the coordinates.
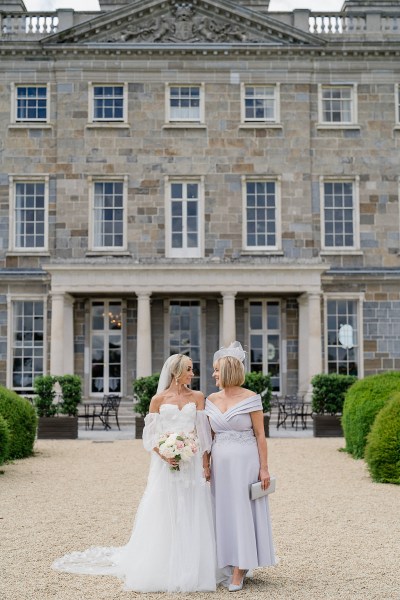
(36, 25)
(28, 24)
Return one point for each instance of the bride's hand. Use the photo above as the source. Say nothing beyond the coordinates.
(207, 473)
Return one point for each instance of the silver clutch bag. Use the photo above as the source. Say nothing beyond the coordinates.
(257, 492)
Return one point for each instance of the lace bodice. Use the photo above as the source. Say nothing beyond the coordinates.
(173, 419)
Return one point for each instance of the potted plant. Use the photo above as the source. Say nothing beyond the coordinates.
(261, 384)
(144, 389)
(327, 403)
(57, 419)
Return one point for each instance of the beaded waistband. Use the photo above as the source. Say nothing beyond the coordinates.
(241, 437)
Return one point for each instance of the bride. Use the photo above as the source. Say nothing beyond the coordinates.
(172, 547)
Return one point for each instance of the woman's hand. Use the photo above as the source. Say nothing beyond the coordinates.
(265, 478)
(207, 473)
(171, 461)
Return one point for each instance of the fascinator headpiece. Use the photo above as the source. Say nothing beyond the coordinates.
(235, 349)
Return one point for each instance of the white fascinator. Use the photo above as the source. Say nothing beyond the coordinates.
(234, 349)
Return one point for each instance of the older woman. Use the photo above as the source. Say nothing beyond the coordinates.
(238, 459)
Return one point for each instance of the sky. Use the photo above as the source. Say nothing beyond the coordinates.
(275, 5)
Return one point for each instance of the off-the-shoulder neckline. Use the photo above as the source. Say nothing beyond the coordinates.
(231, 407)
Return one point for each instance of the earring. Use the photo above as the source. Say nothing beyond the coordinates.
(176, 380)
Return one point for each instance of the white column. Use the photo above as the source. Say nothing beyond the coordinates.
(310, 346)
(228, 319)
(143, 346)
(62, 335)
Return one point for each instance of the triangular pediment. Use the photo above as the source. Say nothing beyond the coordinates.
(191, 22)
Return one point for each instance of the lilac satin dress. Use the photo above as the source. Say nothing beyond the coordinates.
(243, 528)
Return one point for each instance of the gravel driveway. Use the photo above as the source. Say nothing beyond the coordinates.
(337, 534)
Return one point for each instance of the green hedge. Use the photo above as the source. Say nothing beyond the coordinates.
(329, 392)
(382, 451)
(363, 402)
(71, 390)
(22, 423)
(5, 439)
(260, 384)
(144, 389)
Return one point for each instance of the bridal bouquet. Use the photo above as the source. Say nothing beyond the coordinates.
(180, 446)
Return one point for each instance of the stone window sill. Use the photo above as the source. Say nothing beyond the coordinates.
(108, 253)
(187, 125)
(256, 252)
(334, 126)
(108, 125)
(260, 125)
(28, 253)
(30, 125)
(340, 252)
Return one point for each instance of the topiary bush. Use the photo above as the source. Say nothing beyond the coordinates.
(71, 389)
(144, 389)
(329, 392)
(363, 402)
(21, 421)
(382, 452)
(260, 384)
(45, 394)
(5, 439)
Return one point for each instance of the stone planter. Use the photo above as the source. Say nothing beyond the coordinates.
(139, 425)
(266, 425)
(62, 428)
(327, 426)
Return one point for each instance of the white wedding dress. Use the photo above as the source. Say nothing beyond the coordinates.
(172, 546)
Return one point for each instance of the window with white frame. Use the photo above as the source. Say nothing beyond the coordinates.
(342, 336)
(262, 214)
(107, 103)
(337, 104)
(29, 214)
(106, 347)
(184, 218)
(185, 103)
(27, 343)
(260, 103)
(31, 104)
(265, 339)
(108, 215)
(340, 214)
(185, 333)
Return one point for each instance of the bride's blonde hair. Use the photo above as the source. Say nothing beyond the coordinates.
(179, 365)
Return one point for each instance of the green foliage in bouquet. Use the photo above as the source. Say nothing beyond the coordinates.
(382, 452)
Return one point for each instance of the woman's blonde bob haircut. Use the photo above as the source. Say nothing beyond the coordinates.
(179, 366)
(231, 371)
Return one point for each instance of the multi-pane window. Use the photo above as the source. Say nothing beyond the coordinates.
(337, 104)
(31, 103)
(30, 215)
(184, 333)
(108, 214)
(260, 103)
(106, 347)
(342, 343)
(27, 350)
(108, 102)
(185, 219)
(339, 214)
(185, 103)
(265, 335)
(261, 214)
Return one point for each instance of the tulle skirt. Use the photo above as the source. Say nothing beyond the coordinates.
(172, 546)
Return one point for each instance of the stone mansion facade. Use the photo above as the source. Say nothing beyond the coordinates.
(176, 175)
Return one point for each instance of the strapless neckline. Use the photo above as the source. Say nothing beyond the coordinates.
(176, 406)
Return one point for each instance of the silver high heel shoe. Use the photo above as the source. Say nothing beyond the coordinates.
(235, 588)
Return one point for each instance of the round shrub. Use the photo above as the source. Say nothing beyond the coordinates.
(22, 422)
(382, 451)
(5, 438)
(362, 403)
